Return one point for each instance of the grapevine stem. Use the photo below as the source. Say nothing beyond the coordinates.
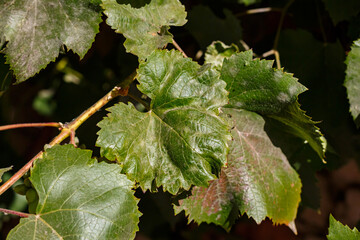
(179, 48)
(139, 100)
(24, 125)
(66, 131)
(258, 10)
(277, 36)
(20, 214)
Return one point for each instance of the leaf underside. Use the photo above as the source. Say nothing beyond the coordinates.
(79, 199)
(145, 28)
(36, 30)
(181, 141)
(258, 180)
(352, 80)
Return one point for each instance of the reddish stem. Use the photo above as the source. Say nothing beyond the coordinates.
(24, 125)
(72, 138)
(20, 214)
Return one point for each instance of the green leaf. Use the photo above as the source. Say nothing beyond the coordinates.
(181, 141)
(227, 30)
(255, 86)
(4, 170)
(338, 231)
(294, 121)
(217, 52)
(145, 28)
(352, 80)
(79, 198)
(258, 180)
(36, 31)
(340, 10)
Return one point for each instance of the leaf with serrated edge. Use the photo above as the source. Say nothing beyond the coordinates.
(145, 28)
(181, 141)
(258, 181)
(37, 29)
(294, 121)
(352, 80)
(217, 52)
(338, 231)
(79, 198)
(255, 86)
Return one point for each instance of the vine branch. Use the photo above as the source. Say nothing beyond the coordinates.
(67, 130)
(20, 214)
(258, 10)
(277, 36)
(25, 125)
(179, 48)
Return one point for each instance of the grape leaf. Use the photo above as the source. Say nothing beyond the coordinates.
(145, 28)
(217, 52)
(181, 141)
(37, 29)
(4, 170)
(352, 80)
(340, 10)
(339, 231)
(258, 181)
(206, 27)
(294, 121)
(79, 198)
(255, 86)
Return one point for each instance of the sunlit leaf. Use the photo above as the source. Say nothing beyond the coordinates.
(36, 30)
(338, 231)
(258, 180)
(217, 52)
(145, 28)
(255, 86)
(181, 141)
(352, 80)
(79, 198)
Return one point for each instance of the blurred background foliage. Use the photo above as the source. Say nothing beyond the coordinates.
(312, 41)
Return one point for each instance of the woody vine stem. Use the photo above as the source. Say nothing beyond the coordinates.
(68, 129)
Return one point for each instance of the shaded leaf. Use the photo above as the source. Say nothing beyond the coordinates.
(258, 181)
(206, 27)
(352, 80)
(181, 141)
(323, 75)
(145, 28)
(255, 86)
(340, 10)
(36, 31)
(248, 2)
(217, 52)
(79, 198)
(338, 231)
(5, 75)
(4, 170)
(294, 121)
